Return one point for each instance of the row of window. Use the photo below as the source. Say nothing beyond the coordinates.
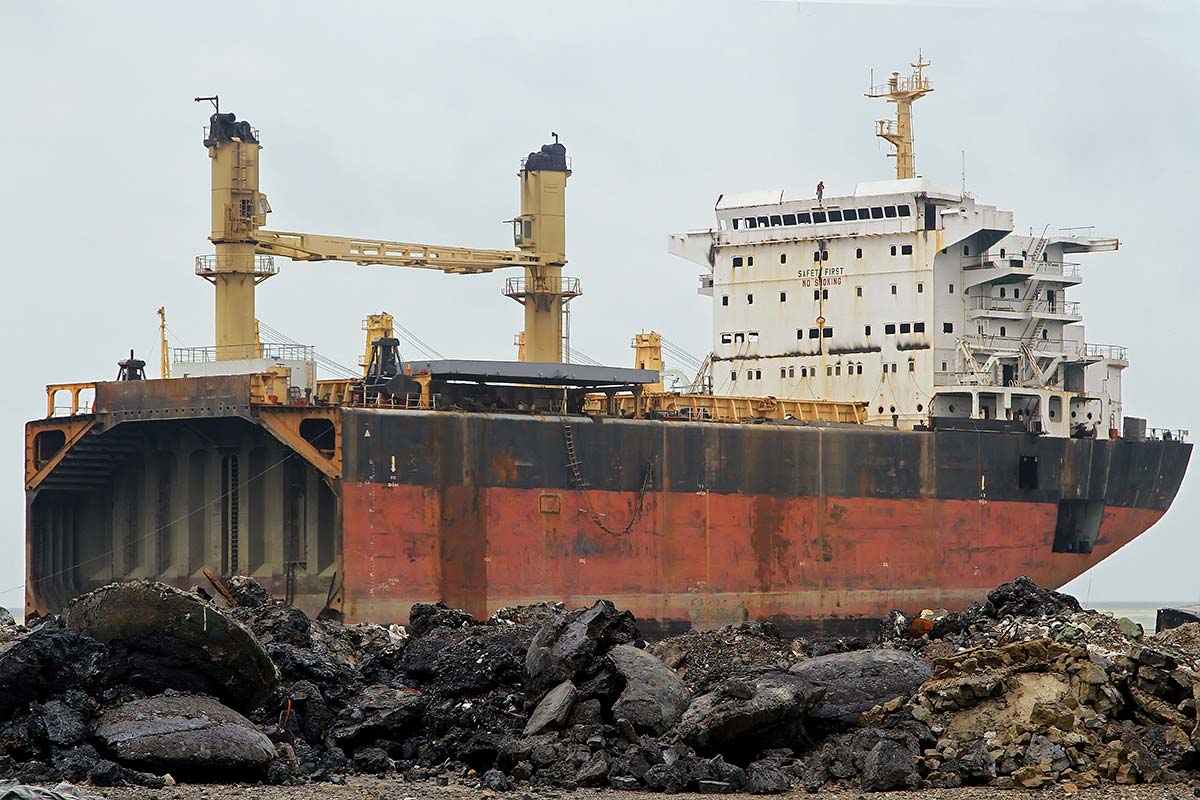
(820, 255)
(823, 294)
(821, 216)
(890, 328)
(831, 371)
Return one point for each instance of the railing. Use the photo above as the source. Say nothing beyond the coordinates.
(902, 83)
(208, 128)
(206, 266)
(233, 352)
(990, 261)
(1064, 346)
(1167, 434)
(79, 404)
(562, 286)
(1065, 308)
(1113, 351)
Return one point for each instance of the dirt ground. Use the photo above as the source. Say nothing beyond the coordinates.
(385, 789)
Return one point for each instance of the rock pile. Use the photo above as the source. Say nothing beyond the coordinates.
(139, 680)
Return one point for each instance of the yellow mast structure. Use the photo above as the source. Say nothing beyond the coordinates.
(244, 250)
(164, 350)
(648, 355)
(902, 91)
(378, 326)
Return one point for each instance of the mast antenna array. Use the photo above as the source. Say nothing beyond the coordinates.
(902, 90)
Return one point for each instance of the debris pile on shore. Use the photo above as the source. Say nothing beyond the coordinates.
(142, 684)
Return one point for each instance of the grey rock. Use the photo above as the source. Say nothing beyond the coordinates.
(372, 760)
(654, 697)
(174, 640)
(774, 714)
(568, 642)
(594, 772)
(183, 734)
(857, 681)
(553, 711)
(495, 780)
(1042, 749)
(46, 660)
(713, 787)
(889, 765)
(108, 773)
(378, 710)
(767, 777)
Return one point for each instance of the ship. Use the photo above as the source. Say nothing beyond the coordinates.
(900, 410)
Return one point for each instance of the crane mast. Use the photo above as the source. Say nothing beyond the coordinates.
(244, 250)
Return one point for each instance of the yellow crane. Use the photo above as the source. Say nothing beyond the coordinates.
(245, 250)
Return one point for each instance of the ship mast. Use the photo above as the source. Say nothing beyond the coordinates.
(902, 91)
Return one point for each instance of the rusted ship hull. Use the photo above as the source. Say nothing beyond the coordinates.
(807, 526)
(366, 511)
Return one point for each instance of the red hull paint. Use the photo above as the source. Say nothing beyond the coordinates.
(698, 559)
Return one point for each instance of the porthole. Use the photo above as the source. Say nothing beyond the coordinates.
(891, 409)
(920, 407)
(881, 409)
(951, 408)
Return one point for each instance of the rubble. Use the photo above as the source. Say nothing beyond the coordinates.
(141, 682)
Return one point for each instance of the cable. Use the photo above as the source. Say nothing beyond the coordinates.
(583, 358)
(154, 532)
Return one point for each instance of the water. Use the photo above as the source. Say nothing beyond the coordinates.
(1142, 612)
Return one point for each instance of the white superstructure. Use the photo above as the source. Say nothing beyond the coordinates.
(913, 299)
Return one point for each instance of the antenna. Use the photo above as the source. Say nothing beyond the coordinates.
(215, 100)
(964, 173)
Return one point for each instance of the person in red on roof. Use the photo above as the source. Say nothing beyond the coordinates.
(820, 189)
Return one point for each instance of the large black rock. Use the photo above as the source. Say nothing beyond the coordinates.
(48, 659)
(860, 680)
(762, 710)
(567, 646)
(163, 638)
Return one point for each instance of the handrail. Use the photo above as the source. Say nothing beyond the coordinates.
(1067, 308)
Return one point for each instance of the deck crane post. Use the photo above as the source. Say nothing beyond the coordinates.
(245, 251)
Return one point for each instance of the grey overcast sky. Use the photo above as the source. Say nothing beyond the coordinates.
(408, 120)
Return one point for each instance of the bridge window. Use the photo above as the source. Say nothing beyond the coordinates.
(920, 288)
(783, 372)
(791, 372)
(893, 249)
(951, 288)
(1003, 331)
(803, 218)
(827, 333)
(947, 327)
(726, 338)
(905, 327)
(858, 291)
(737, 261)
(733, 376)
(751, 222)
(864, 213)
(763, 222)
(918, 327)
(835, 215)
(736, 223)
(776, 220)
(789, 219)
(752, 336)
(893, 288)
(1002, 291)
(814, 333)
(889, 327)
(903, 211)
(867, 330)
(818, 216)
(877, 212)
(859, 369)
(850, 214)
(889, 211)
(906, 250)
(739, 337)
